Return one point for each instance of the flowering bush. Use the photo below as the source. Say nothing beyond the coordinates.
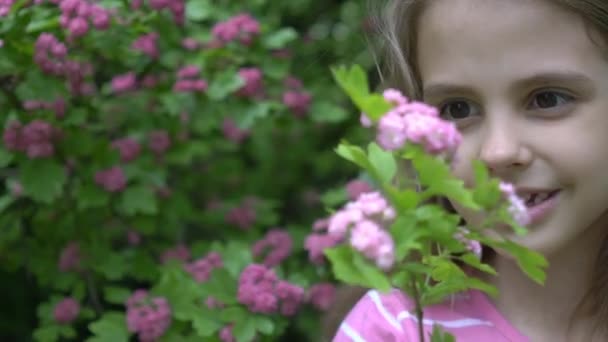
(395, 237)
(163, 162)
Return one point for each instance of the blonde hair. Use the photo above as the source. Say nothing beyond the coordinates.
(397, 26)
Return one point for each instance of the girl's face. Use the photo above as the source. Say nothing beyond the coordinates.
(529, 91)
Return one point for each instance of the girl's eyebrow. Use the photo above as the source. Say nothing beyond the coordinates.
(543, 78)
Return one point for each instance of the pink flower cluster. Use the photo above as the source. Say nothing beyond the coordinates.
(76, 14)
(517, 207)
(70, 257)
(317, 242)
(357, 187)
(66, 311)
(180, 252)
(226, 334)
(124, 83)
(176, 7)
(243, 28)
(262, 292)
(147, 44)
(253, 82)
(201, 269)
(415, 122)
(364, 220)
(129, 149)
(112, 179)
(295, 98)
(36, 139)
(50, 54)
(322, 296)
(276, 244)
(189, 80)
(5, 7)
(58, 106)
(233, 132)
(471, 245)
(242, 216)
(148, 317)
(159, 142)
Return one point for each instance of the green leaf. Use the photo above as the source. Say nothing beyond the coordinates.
(354, 154)
(221, 286)
(327, 112)
(116, 295)
(138, 199)
(198, 10)
(353, 81)
(6, 201)
(43, 179)
(244, 330)
(206, 326)
(264, 324)
(38, 86)
(334, 197)
(405, 232)
(234, 314)
(111, 327)
(5, 157)
(439, 335)
(472, 260)
(280, 38)
(112, 266)
(374, 106)
(225, 84)
(48, 333)
(383, 161)
(350, 267)
(531, 262)
(91, 196)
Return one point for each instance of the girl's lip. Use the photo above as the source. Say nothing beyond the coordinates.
(541, 210)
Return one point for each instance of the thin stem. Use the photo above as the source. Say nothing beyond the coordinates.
(93, 293)
(419, 312)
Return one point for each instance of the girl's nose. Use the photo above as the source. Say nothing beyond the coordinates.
(502, 150)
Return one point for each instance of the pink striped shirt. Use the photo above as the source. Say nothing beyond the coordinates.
(470, 317)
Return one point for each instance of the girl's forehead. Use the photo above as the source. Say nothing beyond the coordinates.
(500, 38)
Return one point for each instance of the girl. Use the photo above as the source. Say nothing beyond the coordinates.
(526, 81)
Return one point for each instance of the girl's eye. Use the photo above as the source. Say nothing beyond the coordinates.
(458, 110)
(549, 99)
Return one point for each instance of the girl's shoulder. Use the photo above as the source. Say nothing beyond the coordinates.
(469, 316)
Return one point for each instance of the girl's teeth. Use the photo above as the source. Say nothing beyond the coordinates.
(540, 197)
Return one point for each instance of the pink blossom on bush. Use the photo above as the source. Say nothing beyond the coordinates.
(147, 44)
(517, 206)
(35, 139)
(293, 83)
(356, 187)
(190, 44)
(148, 317)
(133, 238)
(213, 303)
(13, 141)
(242, 216)
(188, 71)
(112, 179)
(180, 252)
(297, 101)
(322, 295)
(316, 244)
(242, 27)
(50, 54)
(70, 257)
(159, 142)
(471, 245)
(232, 132)
(256, 287)
(276, 244)
(253, 82)
(185, 86)
(129, 149)
(226, 334)
(374, 242)
(201, 269)
(5, 7)
(291, 297)
(124, 83)
(177, 8)
(66, 311)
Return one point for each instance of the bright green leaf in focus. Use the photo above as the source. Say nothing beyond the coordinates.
(43, 179)
(383, 161)
(350, 267)
(353, 81)
(280, 38)
(374, 106)
(138, 199)
(111, 327)
(354, 154)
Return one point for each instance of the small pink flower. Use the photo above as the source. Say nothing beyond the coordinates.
(322, 295)
(124, 83)
(179, 252)
(357, 187)
(112, 179)
(66, 311)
